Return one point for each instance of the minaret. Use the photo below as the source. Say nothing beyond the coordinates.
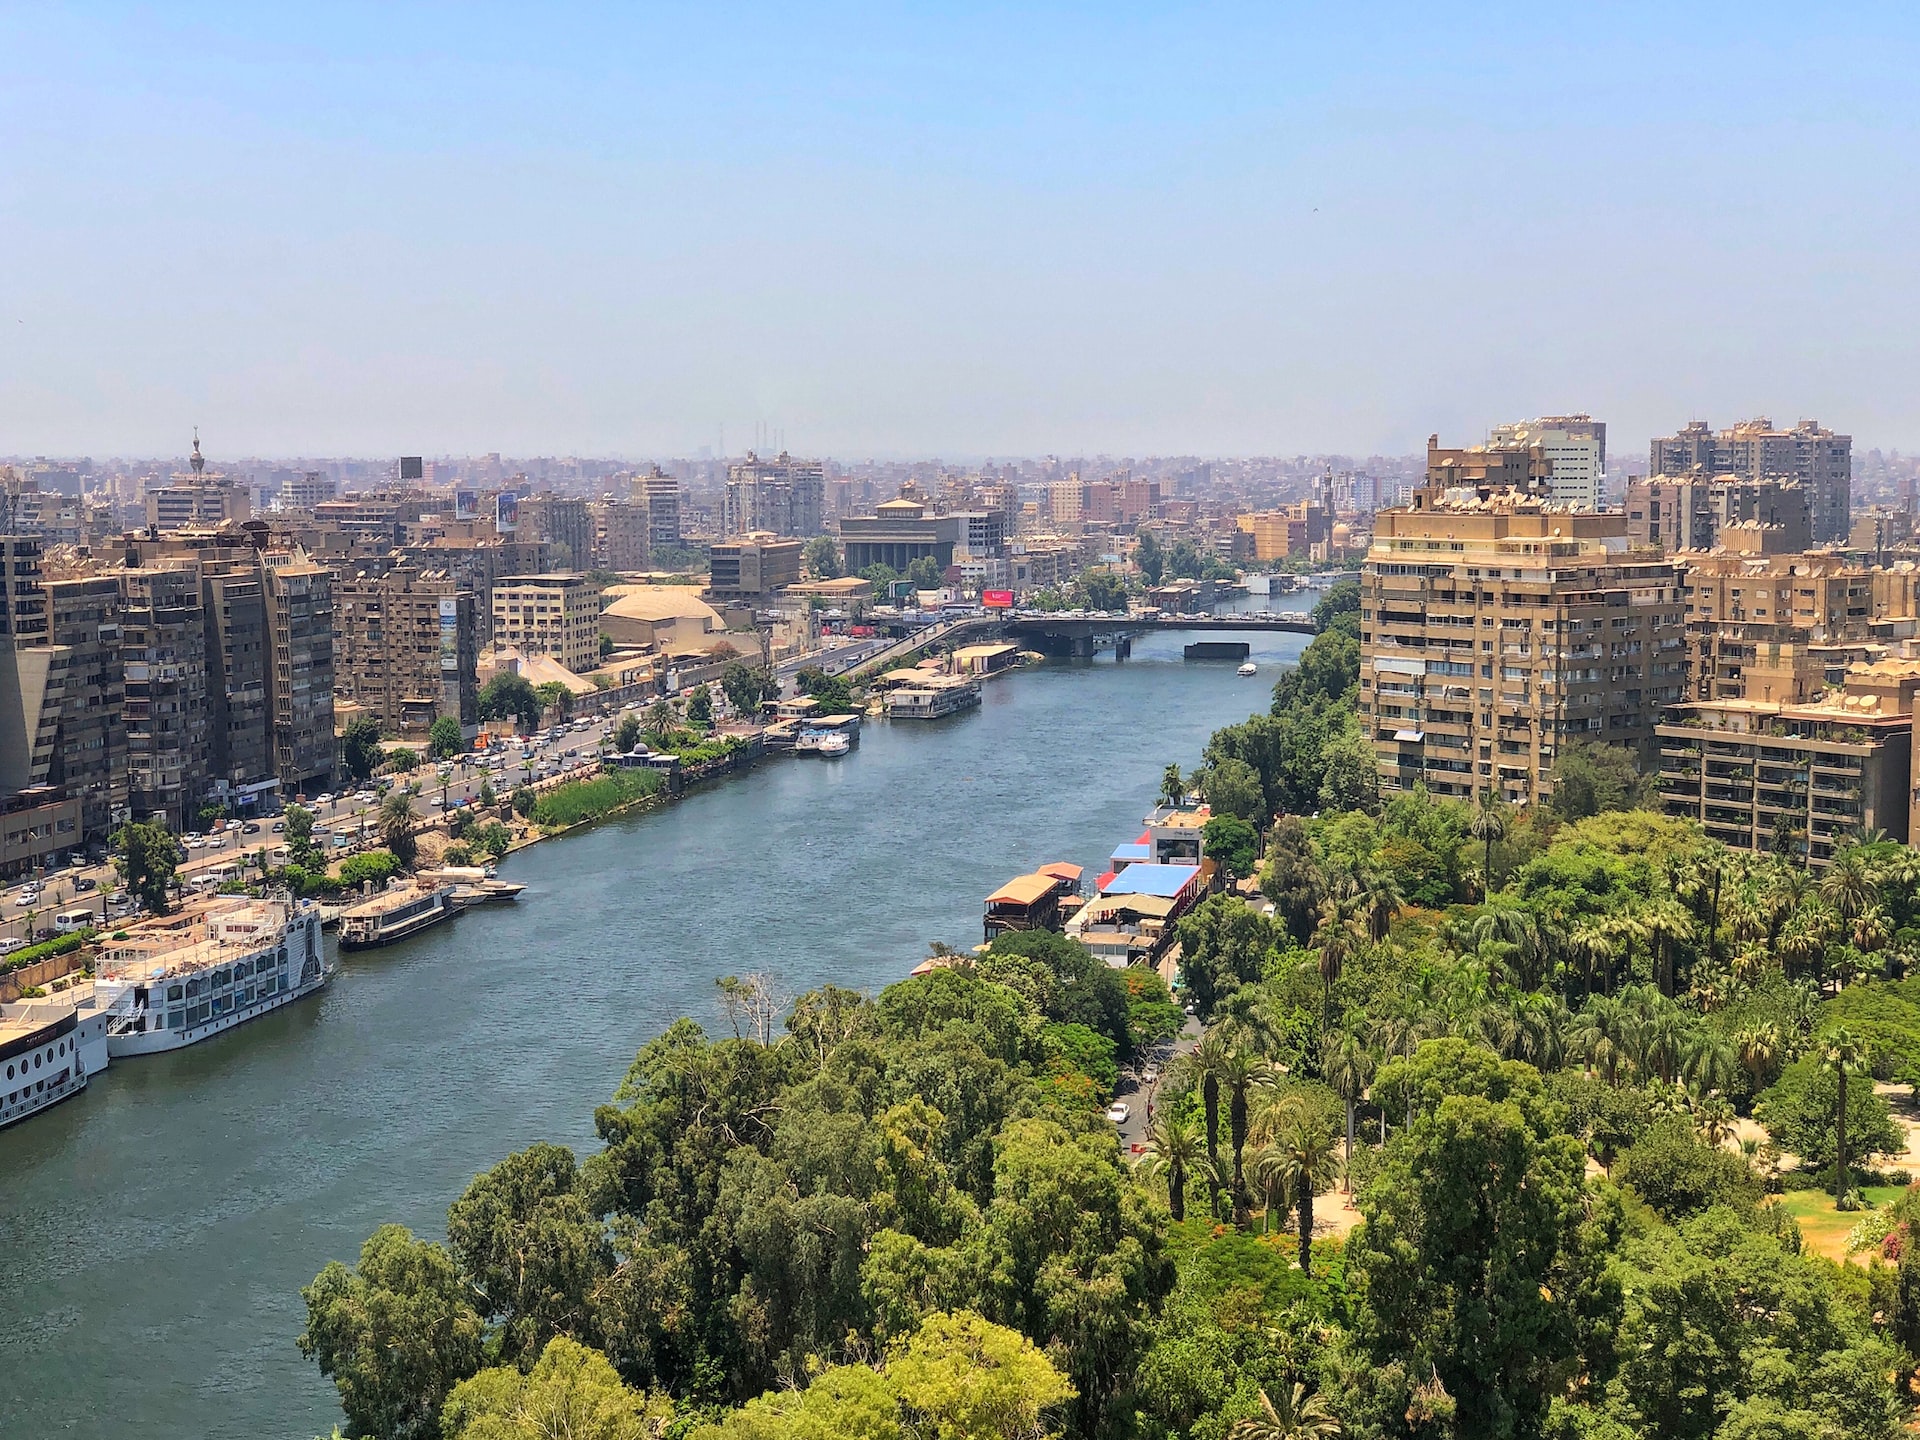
(199, 461)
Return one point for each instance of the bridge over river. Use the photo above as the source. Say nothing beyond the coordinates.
(1081, 634)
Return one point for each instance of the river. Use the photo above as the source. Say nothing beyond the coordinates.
(155, 1231)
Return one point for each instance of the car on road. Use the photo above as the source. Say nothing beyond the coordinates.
(11, 944)
(252, 827)
(1150, 1075)
(84, 884)
(279, 827)
(1118, 1112)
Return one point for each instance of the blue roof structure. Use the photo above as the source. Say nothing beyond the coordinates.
(1166, 881)
(1132, 850)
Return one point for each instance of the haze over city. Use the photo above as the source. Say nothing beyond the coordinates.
(945, 231)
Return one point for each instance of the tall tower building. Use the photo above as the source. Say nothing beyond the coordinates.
(1576, 446)
(779, 497)
(1754, 450)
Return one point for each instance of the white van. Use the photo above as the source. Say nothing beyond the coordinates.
(67, 921)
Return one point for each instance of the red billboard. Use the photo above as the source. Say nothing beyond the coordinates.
(997, 599)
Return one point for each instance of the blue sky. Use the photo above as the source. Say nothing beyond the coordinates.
(951, 230)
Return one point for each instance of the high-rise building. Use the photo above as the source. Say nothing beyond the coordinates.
(239, 693)
(556, 615)
(753, 566)
(778, 497)
(1691, 513)
(90, 749)
(1494, 628)
(1754, 450)
(564, 523)
(620, 535)
(164, 648)
(304, 491)
(1576, 447)
(659, 494)
(405, 647)
(199, 499)
(299, 595)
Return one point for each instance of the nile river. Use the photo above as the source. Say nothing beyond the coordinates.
(154, 1232)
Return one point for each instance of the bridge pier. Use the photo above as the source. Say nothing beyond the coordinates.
(1083, 646)
(1122, 647)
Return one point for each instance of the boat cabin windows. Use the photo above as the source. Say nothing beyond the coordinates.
(176, 993)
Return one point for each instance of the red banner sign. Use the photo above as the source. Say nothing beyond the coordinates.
(997, 599)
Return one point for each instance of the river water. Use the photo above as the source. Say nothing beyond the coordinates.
(154, 1232)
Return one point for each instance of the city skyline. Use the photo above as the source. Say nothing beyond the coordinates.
(947, 233)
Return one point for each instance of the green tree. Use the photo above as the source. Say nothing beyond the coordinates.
(394, 1333)
(626, 734)
(1342, 598)
(1308, 1162)
(882, 578)
(1841, 1056)
(492, 839)
(1174, 1150)
(146, 854)
(1173, 786)
(822, 558)
(1232, 842)
(660, 724)
(444, 740)
(299, 837)
(510, 696)
(396, 821)
(1801, 1111)
(525, 801)
(700, 706)
(1489, 824)
(1233, 787)
(1476, 1261)
(830, 692)
(1102, 590)
(925, 573)
(1298, 1416)
(360, 746)
(745, 687)
(555, 696)
(571, 1392)
(1148, 555)
(1590, 777)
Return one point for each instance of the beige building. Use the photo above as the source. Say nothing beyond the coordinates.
(1797, 779)
(406, 647)
(753, 567)
(1495, 627)
(555, 615)
(667, 619)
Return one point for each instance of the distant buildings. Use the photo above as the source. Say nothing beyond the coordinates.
(1575, 446)
(898, 533)
(753, 567)
(783, 496)
(1698, 512)
(406, 647)
(1754, 450)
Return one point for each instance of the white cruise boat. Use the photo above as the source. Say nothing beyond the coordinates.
(1249, 669)
(48, 1049)
(232, 961)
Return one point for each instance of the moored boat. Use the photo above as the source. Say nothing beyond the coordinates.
(395, 914)
(233, 960)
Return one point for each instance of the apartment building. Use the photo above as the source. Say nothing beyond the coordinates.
(1574, 445)
(659, 494)
(239, 699)
(90, 747)
(23, 615)
(754, 567)
(556, 615)
(1700, 512)
(1299, 531)
(406, 647)
(564, 523)
(1797, 779)
(300, 619)
(164, 649)
(1754, 450)
(783, 496)
(1494, 627)
(620, 535)
(1784, 627)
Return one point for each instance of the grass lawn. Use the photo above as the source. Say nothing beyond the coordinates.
(1822, 1227)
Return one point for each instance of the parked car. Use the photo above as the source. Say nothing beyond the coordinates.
(1118, 1112)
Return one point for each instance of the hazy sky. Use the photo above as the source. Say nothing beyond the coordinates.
(950, 230)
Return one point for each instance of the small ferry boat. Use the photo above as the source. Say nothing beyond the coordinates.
(830, 743)
(167, 986)
(48, 1049)
(1248, 669)
(932, 696)
(394, 915)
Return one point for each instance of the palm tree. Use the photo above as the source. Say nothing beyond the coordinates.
(1714, 1119)
(1269, 1171)
(1347, 1065)
(396, 824)
(1239, 1074)
(1173, 785)
(1589, 943)
(1381, 898)
(1298, 1416)
(1707, 1061)
(1249, 1016)
(1335, 943)
(1602, 1034)
(1207, 1059)
(1665, 922)
(1757, 1049)
(1848, 886)
(1488, 825)
(1174, 1151)
(1309, 1158)
(1842, 1055)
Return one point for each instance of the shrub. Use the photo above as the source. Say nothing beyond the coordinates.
(590, 799)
